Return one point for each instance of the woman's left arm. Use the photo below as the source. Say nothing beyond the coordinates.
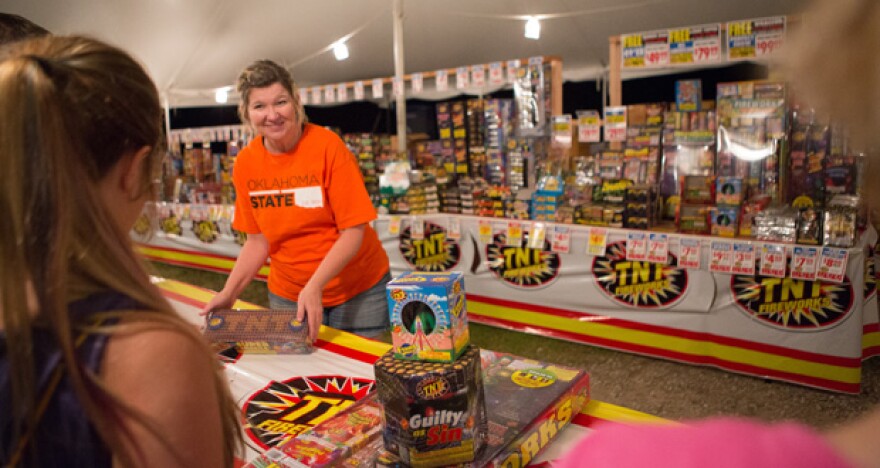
(309, 302)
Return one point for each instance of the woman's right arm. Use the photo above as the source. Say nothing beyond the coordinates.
(251, 258)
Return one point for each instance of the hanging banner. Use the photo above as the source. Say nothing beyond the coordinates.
(461, 77)
(512, 66)
(417, 81)
(589, 126)
(441, 80)
(615, 123)
(316, 95)
(755, 39)
(303, 96)
(329, 94)
(359, 94)
(496, 73)
(478, 76)
(561, 131)
(695, 45)
(342, 92)
(397, 86)
(378, 88)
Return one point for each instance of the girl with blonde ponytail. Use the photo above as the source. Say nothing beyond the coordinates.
(96, 368)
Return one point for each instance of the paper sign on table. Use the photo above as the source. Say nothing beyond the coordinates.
(803, 263)
(394, 225)
(743, 259)
(689, 253)
(636, 246)
(720, 257)
(773, 260)
(514, 234)
(485, 232)
(658, 247)
(832, 265)
(597, 241)
(537, 236)
(561, 239)
(453, 230)
(417, 228)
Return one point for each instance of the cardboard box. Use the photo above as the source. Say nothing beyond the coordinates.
(262, 331)
(428, 316)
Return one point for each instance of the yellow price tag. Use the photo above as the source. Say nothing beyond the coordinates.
(597, 241)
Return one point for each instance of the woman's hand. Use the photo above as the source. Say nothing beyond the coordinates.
(221, 300)
(309, 307)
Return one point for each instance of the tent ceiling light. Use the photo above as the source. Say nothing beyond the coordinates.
(340, 51)
(533, 28)
(221, 96)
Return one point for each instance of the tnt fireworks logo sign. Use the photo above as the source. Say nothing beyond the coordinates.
(436, 252)
(793, 304)
(282, 410)
(520, 265)
(639, 284)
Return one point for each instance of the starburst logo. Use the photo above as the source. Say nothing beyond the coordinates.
(639, 284)
(436, 252)
(793, 304)
(282, 410)
(522, 266)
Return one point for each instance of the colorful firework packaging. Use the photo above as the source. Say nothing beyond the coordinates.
(332, 442)
(264, 331)
(428, 316)
(435, 413)
(528, 404)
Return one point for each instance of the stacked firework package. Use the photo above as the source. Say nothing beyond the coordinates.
(430, 383)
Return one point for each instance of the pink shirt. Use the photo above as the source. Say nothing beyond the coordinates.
(716, 443)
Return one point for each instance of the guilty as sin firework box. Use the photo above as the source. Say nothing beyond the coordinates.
(428, 316)
(435, 413)
(262, 331)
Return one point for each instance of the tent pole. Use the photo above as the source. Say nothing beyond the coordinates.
(399, 76)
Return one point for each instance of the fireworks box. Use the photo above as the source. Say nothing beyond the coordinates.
(330, 443)
(428, 316)
(264, 331)
(528, 404)
(435, 414)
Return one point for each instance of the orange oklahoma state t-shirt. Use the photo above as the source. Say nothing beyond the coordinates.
(300, 200)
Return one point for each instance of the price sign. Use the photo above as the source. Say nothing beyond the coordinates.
(803, 263)
(658, 247)
(512, 67)
(832, 265)
(514, 234)
(773, 260)
(496, 73)
(342, 92)
(461, 77)
(537, 236)
(636, 246)
(560, 240)
(485, 232)
(316, 95)
(441, 80)
(743, 259)
(378, 88)
(656, 48)
(632, 50)
(689, 253)
(330, 94)
(416, 228)
(359, 94)
(394, 225)
(396, 86)
(417, 81)
(755, 38)
(596, 242)
(720, 257)
(478, 76)
(615, 123)
(453, 228)
(589, 126)
(303, 96)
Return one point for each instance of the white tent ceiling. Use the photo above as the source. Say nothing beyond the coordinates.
(192, 47)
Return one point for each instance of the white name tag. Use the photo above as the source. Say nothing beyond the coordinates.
(308, 197)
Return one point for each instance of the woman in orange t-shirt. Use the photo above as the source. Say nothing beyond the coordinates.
(302, 201)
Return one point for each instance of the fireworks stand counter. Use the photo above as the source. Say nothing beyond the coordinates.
(282, 395)
(736, 304)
